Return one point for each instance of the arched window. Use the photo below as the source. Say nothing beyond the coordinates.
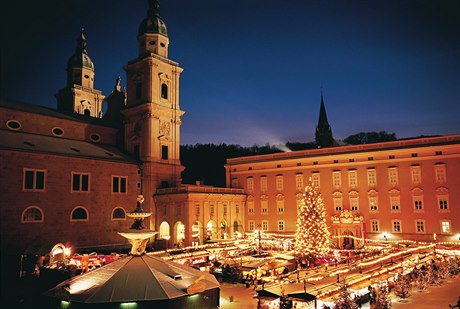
(118, 214)
(164, 91)
(79, 214)
(32, 214)
(164, 230)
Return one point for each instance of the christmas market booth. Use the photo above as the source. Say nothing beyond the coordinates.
(276, 298)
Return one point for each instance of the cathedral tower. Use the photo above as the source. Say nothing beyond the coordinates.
(152, 113)
(323, 134)
(79, 96)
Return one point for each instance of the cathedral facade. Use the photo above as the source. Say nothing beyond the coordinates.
(69, 175)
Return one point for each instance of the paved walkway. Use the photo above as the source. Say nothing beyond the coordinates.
(237, 296)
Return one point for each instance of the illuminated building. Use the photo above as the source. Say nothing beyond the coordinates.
(407, 189)
(70, 175)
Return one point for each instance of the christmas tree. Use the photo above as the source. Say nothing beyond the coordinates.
(345, 301)
(312, 237)
(383, 296)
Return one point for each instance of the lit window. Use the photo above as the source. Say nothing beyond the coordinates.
(416, 174)
(79, 214)
(393, 176)
(396, 225)
(420, 226)
(373, 201)
(395, 207)
(251, 207)
(225, 209)
(34, 180)
(375, 226)
(119, 184)
(32, 214)
(263, 183)
(264, 225)
(336, 179)
(353, 178)
(338, 204)
(250, 184)
(280, 225)
(264, 206)
(445, 226)
(315, 180)
(118, 214)
(80, 182)
(279, 182)
(299, 182)
(280, 206)
(371, 177)
(251, 225)
(440, 173)
(354, 203)
(237, 208)
(211, 210)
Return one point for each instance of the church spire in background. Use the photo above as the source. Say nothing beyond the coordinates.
(323, 134)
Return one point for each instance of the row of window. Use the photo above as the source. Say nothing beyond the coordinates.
(413, 155)
(442, 195)
(393, 178)
(35, 180)
(34, 214)
(57, 131)
(212, 208)
(420, 226)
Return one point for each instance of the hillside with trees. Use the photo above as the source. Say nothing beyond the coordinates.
(205, 162)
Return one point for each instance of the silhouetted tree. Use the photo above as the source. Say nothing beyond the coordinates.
(370, 137)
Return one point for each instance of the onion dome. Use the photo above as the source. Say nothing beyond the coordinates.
(80, 58)
(153, 23)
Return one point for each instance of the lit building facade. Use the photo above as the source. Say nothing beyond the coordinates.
(405, 189)
(70, 175)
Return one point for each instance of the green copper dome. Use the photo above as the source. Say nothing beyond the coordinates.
(80, 58)
(153, 23)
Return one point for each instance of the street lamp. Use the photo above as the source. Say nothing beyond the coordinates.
(385, 236)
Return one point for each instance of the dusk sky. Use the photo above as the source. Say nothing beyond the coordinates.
(253, 69)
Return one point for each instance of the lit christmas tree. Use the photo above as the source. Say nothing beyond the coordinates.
(312, 237)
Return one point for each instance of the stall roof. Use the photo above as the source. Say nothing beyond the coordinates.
(133, 278)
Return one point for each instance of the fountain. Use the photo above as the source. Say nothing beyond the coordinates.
(137, 235)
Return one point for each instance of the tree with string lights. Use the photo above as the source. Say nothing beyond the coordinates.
(312, 236)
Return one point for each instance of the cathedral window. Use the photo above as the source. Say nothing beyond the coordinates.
(13, 124)
(32, 214)
(164, 91)
(119, 184)
(80, 182)
(34, 180)
(164, 152)
(118, 214)
(138, 90)
(79, 214)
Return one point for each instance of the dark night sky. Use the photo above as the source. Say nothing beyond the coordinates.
(254, 68)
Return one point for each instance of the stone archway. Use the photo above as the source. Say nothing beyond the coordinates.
(348, 242)
(197, 233)
(179, 233)
(211, 230)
